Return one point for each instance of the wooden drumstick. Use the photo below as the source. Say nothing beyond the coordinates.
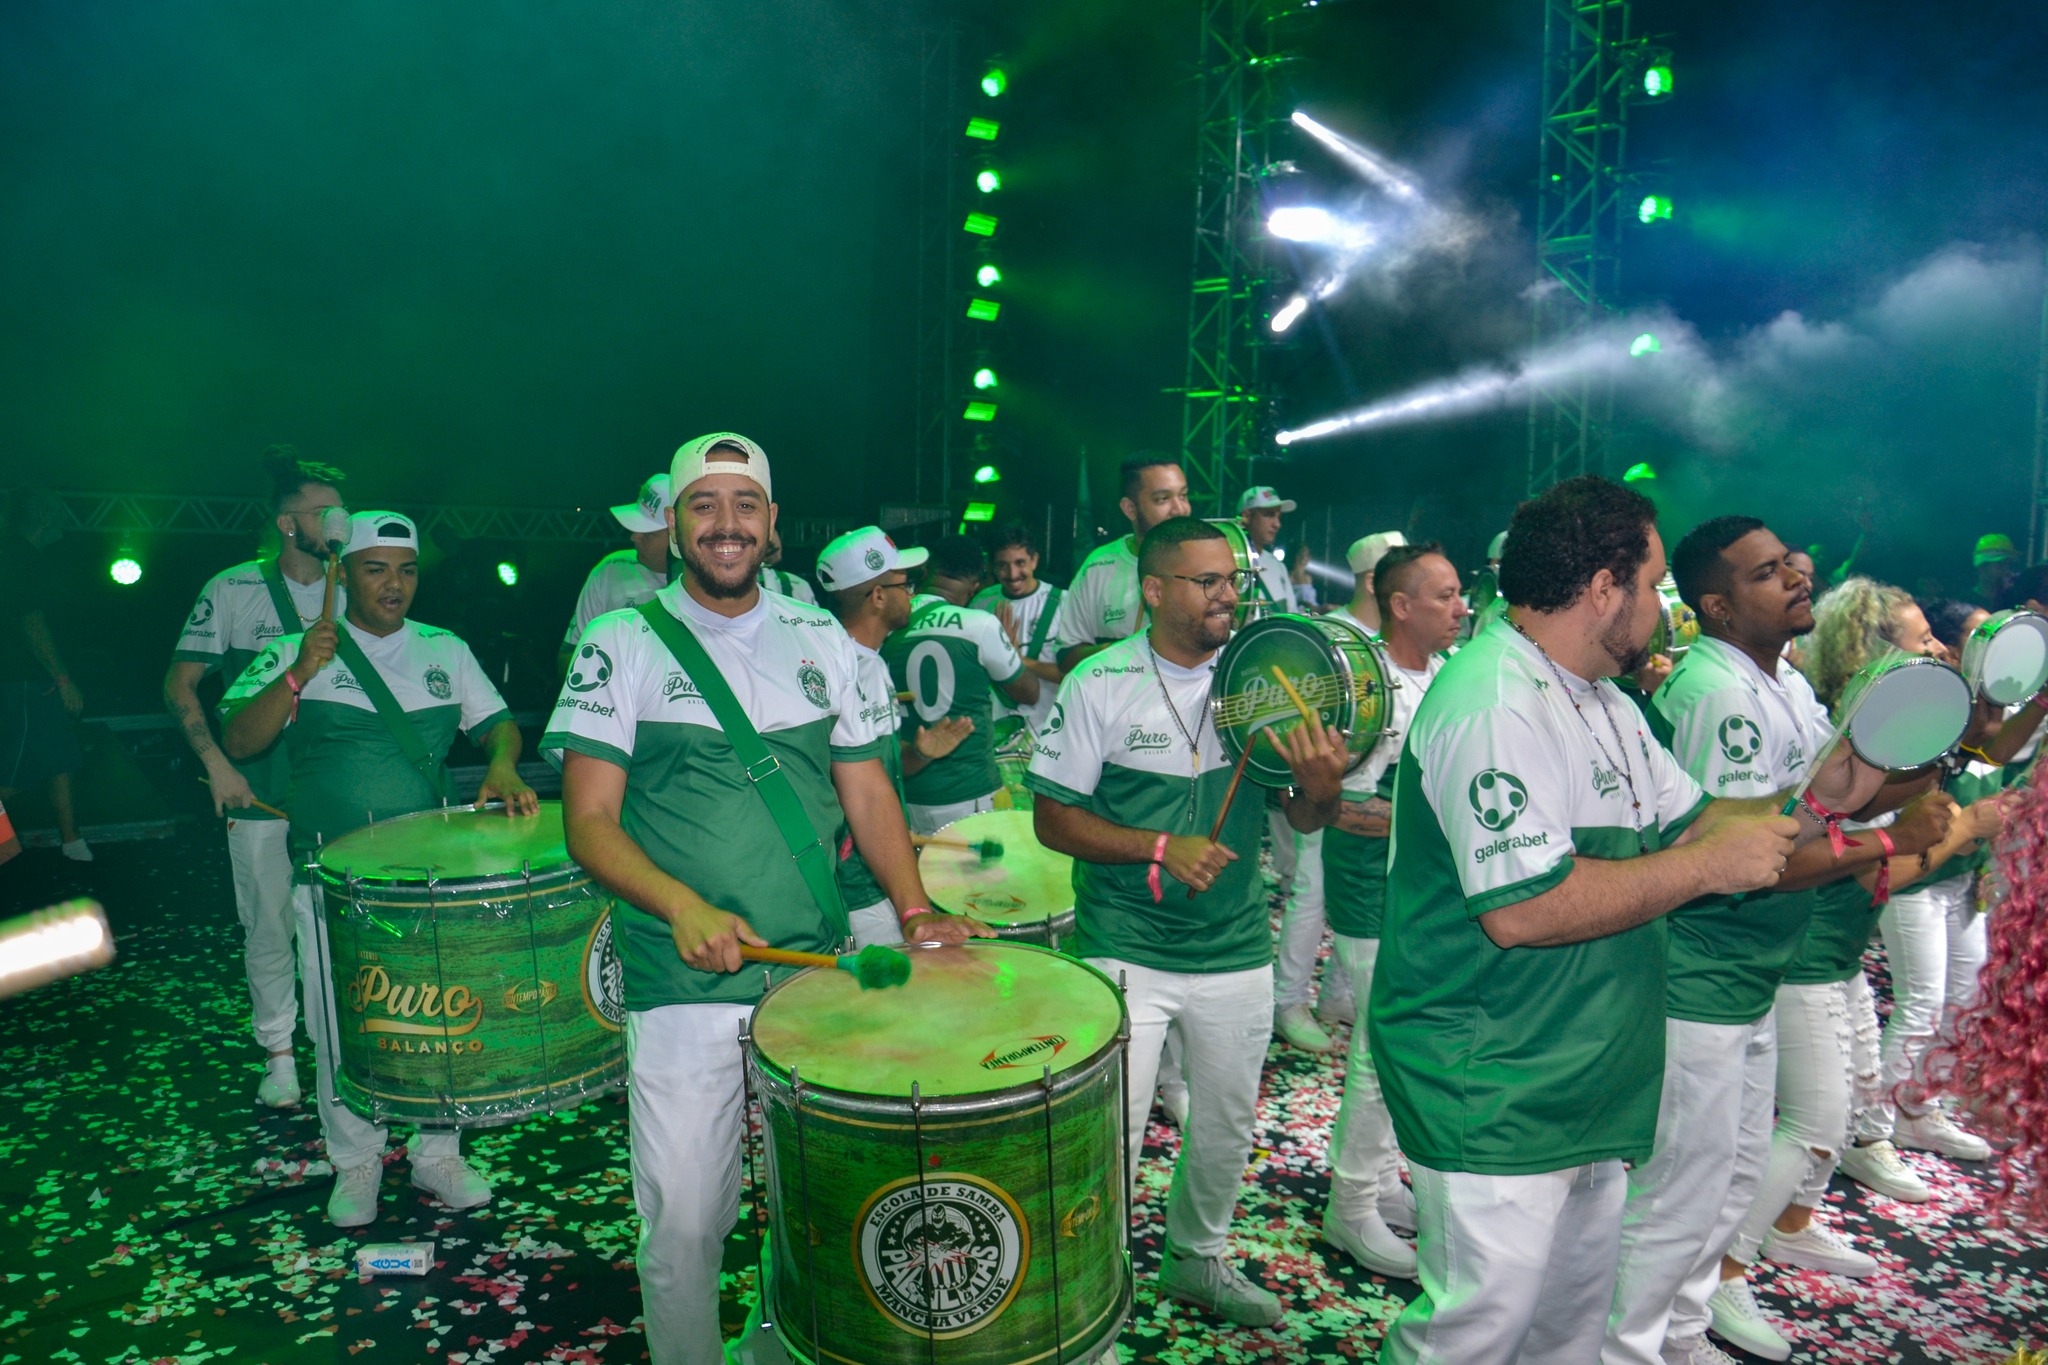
(1308, 713)
(873, 966)
(1230, 792)
(327, 600)
(259, 805)
(334, 529)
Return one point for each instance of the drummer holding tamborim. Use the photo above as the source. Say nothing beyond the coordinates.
(368, 707)
(707, 851)
(1131, 777)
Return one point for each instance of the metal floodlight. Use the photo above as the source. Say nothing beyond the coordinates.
(983, 128)
(980, 412)
(988, 473)
(987, 276)
(1655, 208)
(984, 378)
(983, 310)
(980, 224)
(988, 182)
(1657, 81)
(508, 573)
(127, 571)
(1289, 314)
(1646, 344)
(994, 82)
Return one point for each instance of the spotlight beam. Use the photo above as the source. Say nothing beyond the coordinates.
(1390, 179)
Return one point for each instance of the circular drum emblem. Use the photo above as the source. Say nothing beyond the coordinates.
(604, 982)
(942, 1257)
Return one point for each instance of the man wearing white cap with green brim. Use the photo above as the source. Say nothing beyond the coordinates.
(368, 707)
(626, 578)
(714, 746)
(1260, 510)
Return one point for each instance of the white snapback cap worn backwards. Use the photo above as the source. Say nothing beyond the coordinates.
(1263, 496)
(646, 513)
(863, 556)
(1499, 543)
(1367, 551)
(368, 530)
(722, 452)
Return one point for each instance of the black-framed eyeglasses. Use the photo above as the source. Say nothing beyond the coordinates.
(1211, 584)
(905, 584)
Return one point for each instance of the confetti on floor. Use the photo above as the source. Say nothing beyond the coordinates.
(155, 1213)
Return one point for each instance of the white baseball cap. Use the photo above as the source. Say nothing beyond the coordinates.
(1263, 496)
(1500, 543)
(368, 530)
(646, 514)
(863, 556)
(1367, 551)
(722, 452)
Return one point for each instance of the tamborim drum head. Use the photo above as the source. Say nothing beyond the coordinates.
(2006, 657)
(1905, 711)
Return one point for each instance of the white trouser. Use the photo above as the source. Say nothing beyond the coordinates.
(352, 1140)
(1301, 933)
(1514, 1268)
(1934, 943)
(1827, 1077)
(686, 1101)
(1225, 1020)
(1282, 835)
(259, 853)
(932, 819)
(874, 924)
(1364, 1160)
(1686, 1202)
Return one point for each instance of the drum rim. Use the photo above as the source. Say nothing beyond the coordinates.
(482, 881)
(1891, 664)
(773, 1075)
(1980, 640)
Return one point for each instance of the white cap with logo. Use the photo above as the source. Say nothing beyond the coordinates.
(645, 514)
(1367, 551)
(1262, 497)
(863, 556)
(368, 530)
(722, 452)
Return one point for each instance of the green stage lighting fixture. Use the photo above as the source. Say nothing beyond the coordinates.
(983, 310)
(508, 573)
(988, 182)
(127, 571)
(983, 128)
(1657, 81)
(984, 378)
(988, 275)
(980, 224)
(1654, 208)
(1638, 472)
(995, 82)
(1646, 344)
(980, 412)
(979, 511)
(988, 473)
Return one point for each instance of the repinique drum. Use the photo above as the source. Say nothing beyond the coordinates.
(1013, 760)
(1254, 605)
(1678, 626)
(1904, 711)
(1026, 895)
(475, 981)
(945, 1172)
(2006, 657)
(1337, 671)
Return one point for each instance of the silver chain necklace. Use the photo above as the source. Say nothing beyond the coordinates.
(1194, 740)
(1626, 773)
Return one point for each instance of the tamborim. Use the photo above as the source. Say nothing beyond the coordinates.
(945, 1174)
(475, 981)
(2006, 657)
(1027, 894)
(1678, 626)
(1254, 605)
(1336, 669)
(1904, 711)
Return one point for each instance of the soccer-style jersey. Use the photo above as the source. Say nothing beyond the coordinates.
(788, 584)
(951, 660)
(346, 769)
(1113, 749)
(233, 621)
(1741, 733)
(618, 580)
(1104, 601)
(1510, 1061)
(688, 802)
(877, 694)
(1032, 616)
(1274, 584)
(1355, 865)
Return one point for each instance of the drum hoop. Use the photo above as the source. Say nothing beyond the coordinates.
(1977, 648)
(464, 894)
(511, 876)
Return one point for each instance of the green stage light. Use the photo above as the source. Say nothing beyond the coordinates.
(508, 573)
(1639, 472)
(988, 473)
(127, 571)
(980, 412)
(988, 275)
(980, 224)
(1657, 81)
(988, 182)
(983, 128)
(995, 82)
(979, 511)
(1646, 344)
(983, 310)
(1654, 208)
(984, 378)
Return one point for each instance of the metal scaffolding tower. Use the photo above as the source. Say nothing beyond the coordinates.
(1589, 64)
(938, 286)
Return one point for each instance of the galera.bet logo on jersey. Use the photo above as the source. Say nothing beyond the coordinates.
(1497, 798)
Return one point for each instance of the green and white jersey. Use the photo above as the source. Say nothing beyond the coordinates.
(1511, 1061)
(1032, 616)
(1741, 733)
(233, 621)
(346, 769)
(619, 580)
(1113, 749)
(688, 803)
(877, 694)
(1104, 601)
(788, 584)
(951, 660)
(1274, 584)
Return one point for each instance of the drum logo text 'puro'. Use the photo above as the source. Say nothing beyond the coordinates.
(944, 1255)
(412, 1011)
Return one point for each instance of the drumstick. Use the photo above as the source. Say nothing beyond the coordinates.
(1308, 713)
(1230, 792)
(259, 805)
(873, 966)
(988, 849)
(334, 530)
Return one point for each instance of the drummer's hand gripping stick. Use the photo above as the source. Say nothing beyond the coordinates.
(874, 966)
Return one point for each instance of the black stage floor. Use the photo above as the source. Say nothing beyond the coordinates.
(154, 1213)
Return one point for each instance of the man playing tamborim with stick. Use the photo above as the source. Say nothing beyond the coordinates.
(1132, 778)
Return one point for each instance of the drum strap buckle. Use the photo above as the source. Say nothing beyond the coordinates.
(769, 765)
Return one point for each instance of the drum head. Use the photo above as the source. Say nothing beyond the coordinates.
(1910, 712)
(971, 1020)
(1246, 698)
(2006, 657)
(1028, 883)
(452, 844)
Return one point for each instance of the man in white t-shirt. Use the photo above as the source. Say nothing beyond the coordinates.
(1103, 603)
(626, 578)
(774, 578)
(1539, 838)
(1259, 511)
(1422, 608)
(1027, 606)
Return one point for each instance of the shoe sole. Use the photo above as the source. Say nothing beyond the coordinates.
(1180, 1297)
(1816, 1263)
(1943, 1151)
(449, 1204)
(1375, 1265)
(1783, 1352)
(1923, 1196)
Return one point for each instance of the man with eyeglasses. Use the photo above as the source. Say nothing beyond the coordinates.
(1131, 778)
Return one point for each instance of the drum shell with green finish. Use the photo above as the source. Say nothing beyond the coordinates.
(1678, 626)
(1339, 672)
(476, 998)
(1251, 606)
(1031, 1175)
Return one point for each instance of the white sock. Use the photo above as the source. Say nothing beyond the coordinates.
(77, 850)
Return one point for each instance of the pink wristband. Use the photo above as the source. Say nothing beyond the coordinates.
(1152, 872)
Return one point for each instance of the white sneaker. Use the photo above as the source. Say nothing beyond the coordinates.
(1370, 1242)
(1935, 1131)
(1299, 1027)
(1698, 1351)
(1397, 1210)
(77, 850)
(451, 1180)
(354, 1200)
(1879, 1167)
(279, 1088)
(1209, 1282)
(1815, 1247)
(1332, 1012)
(1173, 1102)
(1739, 1322)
